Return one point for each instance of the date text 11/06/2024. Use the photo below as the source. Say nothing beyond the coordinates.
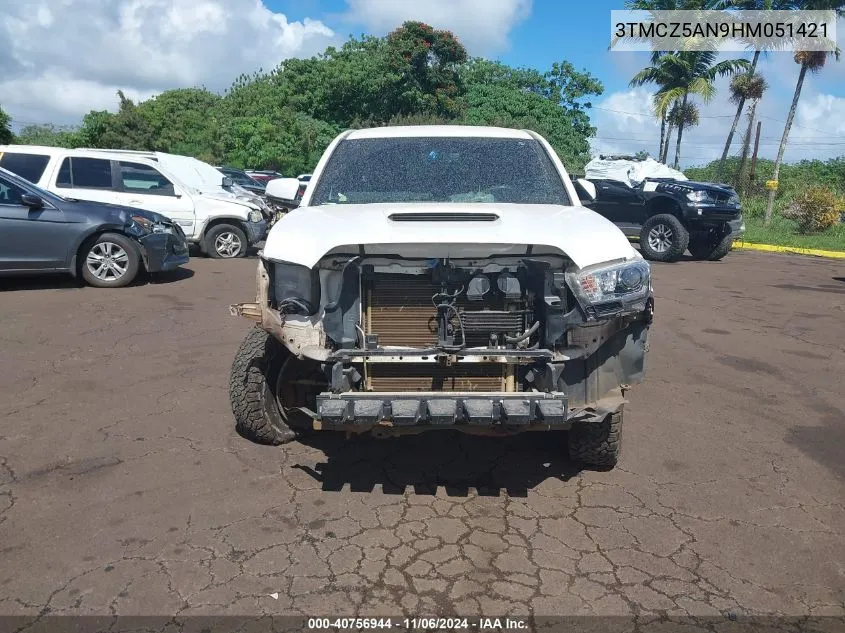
(414, 624)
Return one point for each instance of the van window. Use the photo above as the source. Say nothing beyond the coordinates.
(28, 166)
(140, 178)
(85, 173)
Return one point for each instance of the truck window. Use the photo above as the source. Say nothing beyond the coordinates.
(140, 178)
(440, 169)
(28, 166)
(85, 173)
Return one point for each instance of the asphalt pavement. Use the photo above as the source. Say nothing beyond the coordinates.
(124, 488)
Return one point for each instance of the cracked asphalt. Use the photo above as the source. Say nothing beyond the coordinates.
(124, 488)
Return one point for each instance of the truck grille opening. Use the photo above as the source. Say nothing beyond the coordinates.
(431, 377)
(401, 312)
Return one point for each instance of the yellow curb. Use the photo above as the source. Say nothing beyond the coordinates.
(796, 250)
(771, 248)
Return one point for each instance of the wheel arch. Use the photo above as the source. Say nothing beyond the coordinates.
(226, 219)
(664, 204)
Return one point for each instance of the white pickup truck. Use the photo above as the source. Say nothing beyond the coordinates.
(443, 277)
(222, 220)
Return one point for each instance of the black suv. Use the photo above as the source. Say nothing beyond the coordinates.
(670, 216)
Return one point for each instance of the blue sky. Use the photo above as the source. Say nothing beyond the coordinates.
(145, 46)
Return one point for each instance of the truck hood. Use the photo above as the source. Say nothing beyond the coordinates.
(306, 234)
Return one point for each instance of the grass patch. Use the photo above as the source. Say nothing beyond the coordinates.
(782, 232)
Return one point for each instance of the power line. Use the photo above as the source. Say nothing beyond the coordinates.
(651, 114)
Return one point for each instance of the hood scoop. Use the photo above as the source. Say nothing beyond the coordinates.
(443, 217)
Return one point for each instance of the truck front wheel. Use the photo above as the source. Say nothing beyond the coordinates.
(597, 443)
(663, 238)
(710, 246)
(264, 401)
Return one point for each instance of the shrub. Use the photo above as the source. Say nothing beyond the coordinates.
(816, 209)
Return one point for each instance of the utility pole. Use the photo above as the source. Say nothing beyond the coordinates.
(753, 176)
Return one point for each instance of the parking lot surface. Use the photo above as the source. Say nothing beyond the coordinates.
(124, 488)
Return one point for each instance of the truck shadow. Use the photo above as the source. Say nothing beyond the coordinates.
(447, 460)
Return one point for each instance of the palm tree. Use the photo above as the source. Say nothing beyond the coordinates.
(694, 73)
(658, 74)
(745, 87)
(683, 117)
(748, 5)
(812, 61)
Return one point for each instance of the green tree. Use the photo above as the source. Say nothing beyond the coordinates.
(425, 63)
(552, 104)
(128, 129)
(6, 135)
(48, 135)
(179, 121)
(285, 118)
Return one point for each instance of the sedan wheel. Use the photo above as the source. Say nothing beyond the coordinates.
(111, 261)
(107, 261)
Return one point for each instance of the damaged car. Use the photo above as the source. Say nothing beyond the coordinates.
(443, 277)
(105, 244)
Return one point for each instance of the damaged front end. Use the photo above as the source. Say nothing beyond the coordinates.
(494, 345)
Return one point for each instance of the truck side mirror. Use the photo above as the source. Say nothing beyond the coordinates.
(588, 188)
(282, 189)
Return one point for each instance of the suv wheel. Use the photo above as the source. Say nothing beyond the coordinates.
(111, 261)
(663, 238)
(225, 241)
(266, 390)
(710, 246)
(597, 443)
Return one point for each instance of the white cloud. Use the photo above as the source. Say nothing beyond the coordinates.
(482, 26)
(64, 57)
(822, 111)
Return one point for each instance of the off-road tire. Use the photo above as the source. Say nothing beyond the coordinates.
(133, 260)
(678, 243)
(254, 370)
(219, 229)
(597, 443)
(706, 248)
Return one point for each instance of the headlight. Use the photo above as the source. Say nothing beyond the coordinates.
(142, 226)
(700, 196)
(255, 216)
(626, 282)
(296, 289)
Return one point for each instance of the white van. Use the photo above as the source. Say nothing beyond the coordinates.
(224, 222)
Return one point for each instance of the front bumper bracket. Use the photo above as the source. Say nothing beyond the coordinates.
(443, 409)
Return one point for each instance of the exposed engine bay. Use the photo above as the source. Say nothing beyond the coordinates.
(408, 329)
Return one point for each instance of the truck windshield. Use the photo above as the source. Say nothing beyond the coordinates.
(440, 169)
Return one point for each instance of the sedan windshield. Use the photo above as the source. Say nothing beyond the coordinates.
(440, 169)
